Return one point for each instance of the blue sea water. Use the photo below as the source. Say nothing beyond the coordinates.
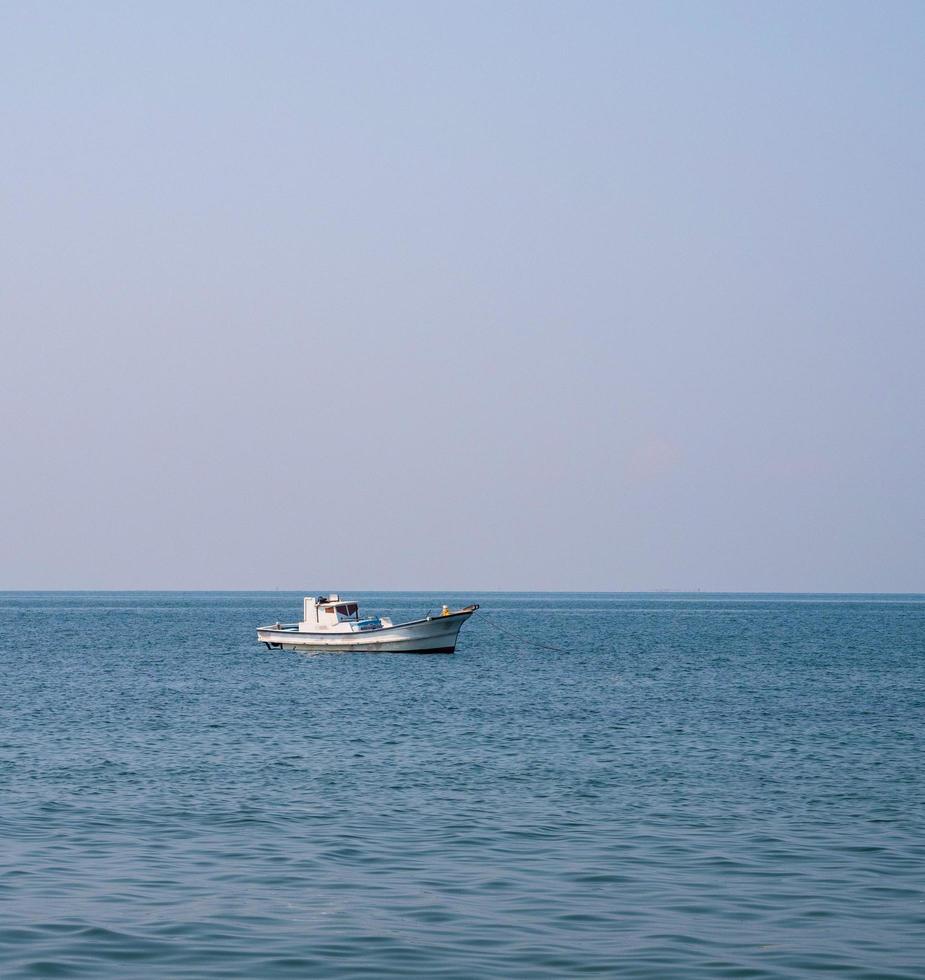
(618, 785)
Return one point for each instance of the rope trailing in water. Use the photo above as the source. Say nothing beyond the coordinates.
(516, 636)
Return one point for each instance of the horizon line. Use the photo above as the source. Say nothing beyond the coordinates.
(278, 591)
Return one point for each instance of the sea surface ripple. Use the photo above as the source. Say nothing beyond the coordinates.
(632, 786)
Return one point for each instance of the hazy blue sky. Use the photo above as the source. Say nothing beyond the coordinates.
(462, 295)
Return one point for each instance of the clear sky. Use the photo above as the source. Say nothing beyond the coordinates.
(604, 296)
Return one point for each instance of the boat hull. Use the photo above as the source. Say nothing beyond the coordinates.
(437, 634)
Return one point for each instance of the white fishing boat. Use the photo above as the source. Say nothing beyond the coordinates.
(330, 623)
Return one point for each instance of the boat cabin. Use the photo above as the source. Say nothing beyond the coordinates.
(330, 613)
(327, 611)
